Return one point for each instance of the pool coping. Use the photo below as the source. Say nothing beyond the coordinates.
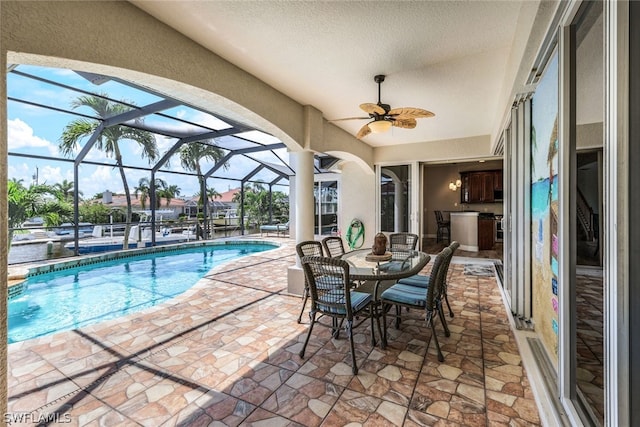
(88, 259)
(17, 276)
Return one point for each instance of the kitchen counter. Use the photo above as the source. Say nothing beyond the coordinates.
(464, 229)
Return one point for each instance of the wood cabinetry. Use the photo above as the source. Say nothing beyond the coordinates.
(485, 233)
(480, 186)
(497, 180)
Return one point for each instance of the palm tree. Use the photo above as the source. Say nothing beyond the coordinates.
(109, 139)
(169, 192)
(213, 194)
(256, 202)
(191, 154)
(64, 190)
(142, 191)
(24, 203)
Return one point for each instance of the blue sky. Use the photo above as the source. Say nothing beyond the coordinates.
(545, 112)
(36, 131)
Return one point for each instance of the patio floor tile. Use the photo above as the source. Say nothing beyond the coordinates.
(226, 352)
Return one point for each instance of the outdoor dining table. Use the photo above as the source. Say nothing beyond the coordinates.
(363, 267)
(373, 276)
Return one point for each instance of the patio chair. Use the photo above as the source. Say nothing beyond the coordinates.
(303, 249)
(403, 241)
(444, 226)
(277, 228)
(399, 245)
(429, 299)
(422, 281)
(283, 228)
(333, 246)
(332, 297)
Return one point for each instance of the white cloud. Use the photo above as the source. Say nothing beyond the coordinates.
(52, 175)
(101, 179)
(20, 135)
(21, 171)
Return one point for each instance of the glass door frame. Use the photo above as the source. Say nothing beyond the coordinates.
(618, 336)
(414, 195)
(318, 180)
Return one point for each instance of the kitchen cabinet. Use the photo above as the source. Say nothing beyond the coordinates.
(485, 233)
(479, 187)
(497, 180)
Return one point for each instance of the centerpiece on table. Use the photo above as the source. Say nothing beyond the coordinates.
(379, 249)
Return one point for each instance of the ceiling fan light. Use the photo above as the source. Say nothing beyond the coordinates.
(380, 126)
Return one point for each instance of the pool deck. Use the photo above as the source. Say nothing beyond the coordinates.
(227, 351)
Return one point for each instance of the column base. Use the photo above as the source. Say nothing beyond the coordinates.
(295, 280)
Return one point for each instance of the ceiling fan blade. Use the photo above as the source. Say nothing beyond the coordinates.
(410, 113)
(372, 108)
(350, 118)
(364, 131)
(404, 123)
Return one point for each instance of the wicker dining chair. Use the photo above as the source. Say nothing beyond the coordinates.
(333, 246)
(332, 297)
(422, 281)
(403, 241)
(429, 299)
(303, 249)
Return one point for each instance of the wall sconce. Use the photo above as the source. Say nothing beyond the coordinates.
(453, 186)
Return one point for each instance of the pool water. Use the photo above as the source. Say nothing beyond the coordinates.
(81, 296)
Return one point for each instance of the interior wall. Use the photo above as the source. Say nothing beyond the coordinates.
(357, 194)
(436, 194)
(463, 149)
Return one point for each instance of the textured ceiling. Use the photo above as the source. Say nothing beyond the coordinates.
(448, 57)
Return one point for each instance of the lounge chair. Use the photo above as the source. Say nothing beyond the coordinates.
(279, 229)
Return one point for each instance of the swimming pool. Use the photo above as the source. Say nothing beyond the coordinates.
(80, 296)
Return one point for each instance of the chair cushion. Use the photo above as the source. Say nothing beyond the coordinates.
(405, 294)
(324, 282)
(359, 300)
(270, 227)
(393, 266)
(416, 280)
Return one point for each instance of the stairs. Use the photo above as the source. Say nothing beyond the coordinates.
(586, 223)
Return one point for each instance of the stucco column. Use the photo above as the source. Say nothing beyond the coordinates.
(304, 195)
(302, 162)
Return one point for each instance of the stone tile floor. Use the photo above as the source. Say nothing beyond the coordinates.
(226, 353)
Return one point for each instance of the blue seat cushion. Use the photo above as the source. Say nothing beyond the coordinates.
(416, 280)
(325, 282)
(359, 300)
(405, 294)
(393, 266)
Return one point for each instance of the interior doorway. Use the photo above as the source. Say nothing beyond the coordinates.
(589, 208)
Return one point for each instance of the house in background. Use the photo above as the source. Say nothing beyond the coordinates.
(218, 207)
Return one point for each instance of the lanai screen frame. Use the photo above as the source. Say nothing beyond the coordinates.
(282, 171)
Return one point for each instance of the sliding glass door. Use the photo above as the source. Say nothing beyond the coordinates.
(395, 184)
(325, 195)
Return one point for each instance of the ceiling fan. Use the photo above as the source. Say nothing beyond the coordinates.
(384, 116)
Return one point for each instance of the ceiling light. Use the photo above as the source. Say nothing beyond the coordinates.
(458, 183)
(380, 126)
(452, 186)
